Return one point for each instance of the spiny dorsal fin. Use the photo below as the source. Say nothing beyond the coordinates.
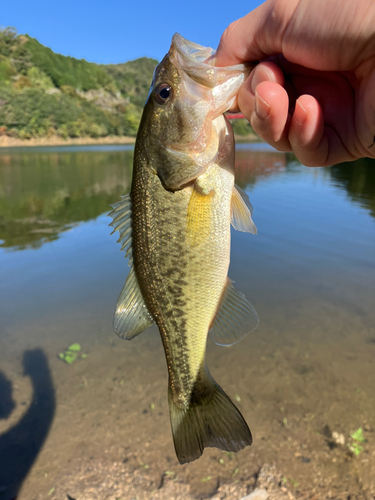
(235, 318)
(122, 222)
(131, 315)
(242, 211)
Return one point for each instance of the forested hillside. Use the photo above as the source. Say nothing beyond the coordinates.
(46, 94)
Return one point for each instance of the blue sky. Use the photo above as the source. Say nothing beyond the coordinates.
(115, 31)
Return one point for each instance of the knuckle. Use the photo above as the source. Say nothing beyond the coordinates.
(305, 160)
(229, 32)
(229, 40)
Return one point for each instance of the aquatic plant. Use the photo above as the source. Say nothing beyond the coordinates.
(71, 354)
(357, 438)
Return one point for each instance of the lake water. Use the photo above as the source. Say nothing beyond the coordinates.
(304, 380)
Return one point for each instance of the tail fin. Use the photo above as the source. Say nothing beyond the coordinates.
(211, 420)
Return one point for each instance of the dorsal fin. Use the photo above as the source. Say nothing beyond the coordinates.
(122, 222)
(131, 315)
(235, 318)
(242, 211)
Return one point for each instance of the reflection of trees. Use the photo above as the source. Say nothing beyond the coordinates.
(358, 179)
(251, 165)
(43, 193)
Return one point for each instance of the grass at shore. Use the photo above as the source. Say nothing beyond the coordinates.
(13, 142)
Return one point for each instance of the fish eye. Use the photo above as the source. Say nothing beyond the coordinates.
(163, 93)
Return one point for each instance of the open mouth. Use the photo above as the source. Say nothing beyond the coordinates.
(193, 52)
(199, 63)
(196, 61)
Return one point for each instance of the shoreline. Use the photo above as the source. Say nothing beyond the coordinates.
(12, 142)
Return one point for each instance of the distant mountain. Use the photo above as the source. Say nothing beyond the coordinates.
(44, 94)
(133, 78)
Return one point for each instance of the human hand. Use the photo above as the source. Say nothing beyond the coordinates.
(313, 92)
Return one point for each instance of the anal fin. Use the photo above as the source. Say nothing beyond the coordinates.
(235, 318)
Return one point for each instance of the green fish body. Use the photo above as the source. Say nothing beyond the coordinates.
(175, 228)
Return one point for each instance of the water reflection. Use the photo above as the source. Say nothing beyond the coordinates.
(358, 179)
(43, 194)
(258, 165)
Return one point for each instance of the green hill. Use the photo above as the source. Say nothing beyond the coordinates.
(64, 70)
(133, 78)
(44, 94)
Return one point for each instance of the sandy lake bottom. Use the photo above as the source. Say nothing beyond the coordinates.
(98, 429)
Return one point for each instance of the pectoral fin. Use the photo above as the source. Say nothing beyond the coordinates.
(131, 315)
(235, 318)
(242, 211)
(199, 217)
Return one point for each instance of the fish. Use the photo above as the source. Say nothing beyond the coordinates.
(175, 230)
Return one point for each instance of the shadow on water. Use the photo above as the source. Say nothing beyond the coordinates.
(21, 444)
(6, 402)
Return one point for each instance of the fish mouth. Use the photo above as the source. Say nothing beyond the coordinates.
(191, 51)
(199, 63)
(192, 58)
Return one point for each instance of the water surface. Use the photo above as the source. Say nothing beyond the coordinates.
(306, 372)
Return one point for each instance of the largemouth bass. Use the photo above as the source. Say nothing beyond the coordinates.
(175, 229)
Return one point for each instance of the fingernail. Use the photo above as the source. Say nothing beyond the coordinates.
(300, 113)
(262, 109)
(255, 81)
(260, 75)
